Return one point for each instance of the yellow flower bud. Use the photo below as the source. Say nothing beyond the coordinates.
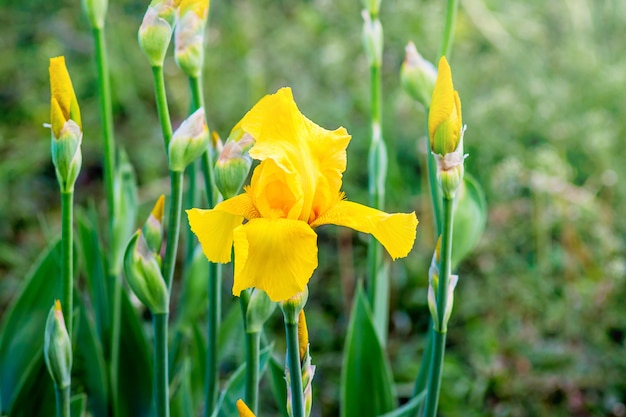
(303, 335)
(233, 164)
(444, 119)
(243, 409)
(189, 141)
(189, 36)
(57, 348)
(153, 227)
(144, 277)
(66, 125)
(156, 29)
(418, 76)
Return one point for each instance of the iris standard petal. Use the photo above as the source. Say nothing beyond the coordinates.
(396, 232)
(276, 255)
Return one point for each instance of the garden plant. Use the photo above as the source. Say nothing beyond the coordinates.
(278, 267)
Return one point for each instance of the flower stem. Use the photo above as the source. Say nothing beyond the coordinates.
(378, 288)
(161, 380)
(215, 272)
(176, 202)
(439, 334)
(295, 371)
(67, 267)
(210, 395)
(62, 401)
(253, 343)
(161, 103)
(106, 115)
(448, 34)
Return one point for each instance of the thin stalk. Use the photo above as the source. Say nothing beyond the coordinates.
(67, 266)
(378, 288)
(106, 114)
(176, 203)
(439, 341)
(190, 202)
(448, 33)
(215, 272)
(253, 343)
(295, 371)
(161, 103)
(161, 380)
(115, 341)
(212, 372)
(62, 401)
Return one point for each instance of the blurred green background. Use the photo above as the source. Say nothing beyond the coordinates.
(539, 323)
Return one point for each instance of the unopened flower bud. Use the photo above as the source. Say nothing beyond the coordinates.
(260, 308)
(152, 229)
(233, 164)
(445, 128)
(189, 36)
(433, 288)
(243, 409)
(189, 141)
(144, 277)
(156, 29)
(372, 39)
(57, 348)
(418, 76)
(291, 307)
(96, 11)
(65, 123)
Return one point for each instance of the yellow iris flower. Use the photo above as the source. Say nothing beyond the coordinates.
(444, 119)
(295, 188)
(243, 409)
(63, 104)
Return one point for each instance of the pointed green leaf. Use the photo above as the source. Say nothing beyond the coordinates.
(367, 387)
(21, 338)
(409, 409)
(235, 387)
(78, 404)
(278, 385)
(89, 368)
(470, 218)
(135, 367)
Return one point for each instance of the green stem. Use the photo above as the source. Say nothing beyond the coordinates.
(378, 288)
(190, 202)
(115, 341)
(106, 115)
(439, 342)
(161, 380)
(176, 202)
(253, 343)
(67, 267)
(448, 33)
(62, 401)
(422, 376)
(215, 272)
(161, 103)
(213, 314)
(295, 370)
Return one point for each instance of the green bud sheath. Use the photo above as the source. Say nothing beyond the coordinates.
(57, 348)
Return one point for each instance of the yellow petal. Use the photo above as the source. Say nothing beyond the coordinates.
(275, 255)
(199, 7)
(315, 156)
(303, 335)
(63, 96)
(442, 103)
(396, 232)
(243, 409)
(214, 228)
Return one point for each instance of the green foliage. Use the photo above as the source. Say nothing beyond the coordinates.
(367, 384)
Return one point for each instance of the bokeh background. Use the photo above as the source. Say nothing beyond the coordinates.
(539, 322)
